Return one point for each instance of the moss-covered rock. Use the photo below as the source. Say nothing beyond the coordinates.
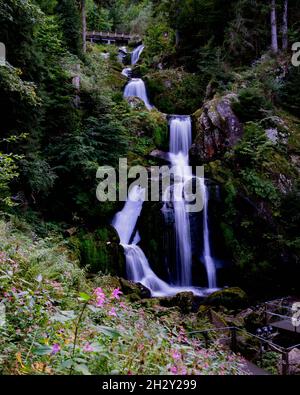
(135, 291)
(232, 298)
(175, 91)
(186, 301)
(217, 129)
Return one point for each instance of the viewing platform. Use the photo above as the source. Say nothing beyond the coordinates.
(111, 37)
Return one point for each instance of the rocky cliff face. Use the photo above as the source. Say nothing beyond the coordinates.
(217, 129)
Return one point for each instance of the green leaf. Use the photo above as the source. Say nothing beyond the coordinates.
(42, 350)
(110, 332)
(67, 364)
(63, 316)
(83, 297)
(82, 368)
(93, 309)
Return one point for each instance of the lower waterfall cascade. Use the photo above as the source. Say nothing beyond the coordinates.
(125, 221)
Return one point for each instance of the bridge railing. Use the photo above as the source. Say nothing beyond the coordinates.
(112, 35)
(233, 339)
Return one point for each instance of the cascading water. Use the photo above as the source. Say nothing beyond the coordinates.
(127, 72)
(208, 260)
(180, 143)
(137, 265)
(136, 87)
(136, 53)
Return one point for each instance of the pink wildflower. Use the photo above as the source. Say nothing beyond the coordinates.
(100, 297)
(112, 312)
(88, 348)
(116, 293)
(173, 369)
(122, 305)
(55, 349)
(176, 354)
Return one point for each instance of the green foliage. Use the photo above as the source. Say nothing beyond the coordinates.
(69, 18)
(250, 105)
(159, 41)
(174, 91)
(289, 95)
(8, 171)
(98, 18)
(57, 322)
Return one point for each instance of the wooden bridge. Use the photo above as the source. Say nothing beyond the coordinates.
(111, 37)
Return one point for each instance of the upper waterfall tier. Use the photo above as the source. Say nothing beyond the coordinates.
(136, 87)
(180, 134)
(136, 53)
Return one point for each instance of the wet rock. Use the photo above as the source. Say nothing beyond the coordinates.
(186, 301)
(135, 291)
(158, 154)
(135, 103)
(231, 298)
(294, 361)
(217, 129)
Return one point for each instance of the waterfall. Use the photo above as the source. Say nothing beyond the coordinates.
(180, 142)
(136, 53)
(208, 260)
(180, 135)
(127, 72)
(137, 265)
(125, 222)
(136, 87)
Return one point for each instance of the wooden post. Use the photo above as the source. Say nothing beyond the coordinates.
(285, 363)
(265, 314)
(233, 340)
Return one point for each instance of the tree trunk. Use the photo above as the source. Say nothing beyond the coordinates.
(83, 17)
(274, 27)
(285, 26)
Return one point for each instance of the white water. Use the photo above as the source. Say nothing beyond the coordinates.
(137, 265)
(208, 260)
(136, 87)
(136, 53)
(127, 72)
(180, 142)
(125, 220)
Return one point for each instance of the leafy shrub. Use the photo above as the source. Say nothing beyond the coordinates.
(250, 105)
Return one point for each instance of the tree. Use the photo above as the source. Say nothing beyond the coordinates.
(285, 26)
(69, 17)
(83, 20)
(274, 27)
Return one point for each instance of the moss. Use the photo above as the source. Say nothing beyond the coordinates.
(175, 91)
(232, 298)
(99, 251)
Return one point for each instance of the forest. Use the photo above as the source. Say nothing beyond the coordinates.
(134, 286)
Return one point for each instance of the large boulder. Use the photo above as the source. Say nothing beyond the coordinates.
(232, 298)
(136, 103)
(186, 301)
(217, 129)
(294, 361)
(135, 291)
